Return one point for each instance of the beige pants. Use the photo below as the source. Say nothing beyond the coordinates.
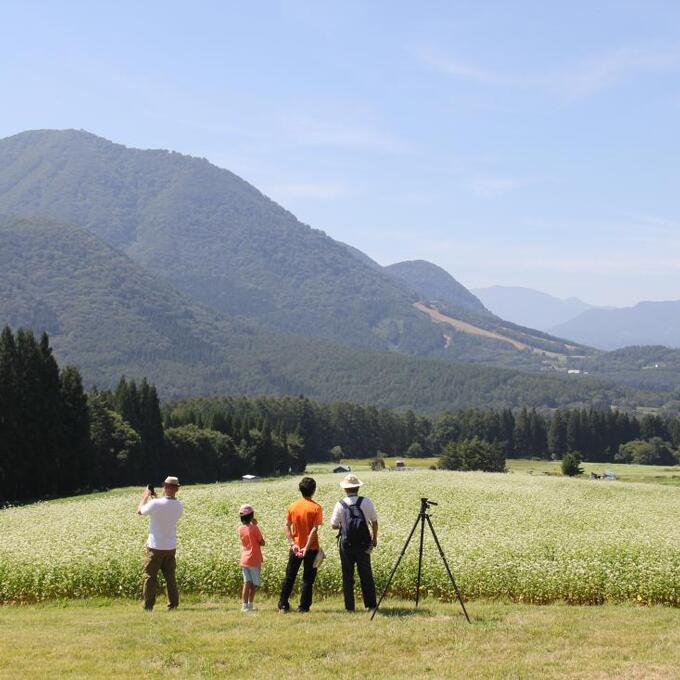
(159, 560)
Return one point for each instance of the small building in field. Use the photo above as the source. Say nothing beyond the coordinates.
(400, 465)
(250, 478)
(343, 469)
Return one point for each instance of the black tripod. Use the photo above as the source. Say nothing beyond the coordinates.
(423, 517)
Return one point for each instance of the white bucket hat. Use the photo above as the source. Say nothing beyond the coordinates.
(171, 481)
(351, 482)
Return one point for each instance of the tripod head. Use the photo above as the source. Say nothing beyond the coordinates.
(425, 505)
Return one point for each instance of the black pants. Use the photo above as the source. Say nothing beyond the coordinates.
(308, 576)
(362, 559)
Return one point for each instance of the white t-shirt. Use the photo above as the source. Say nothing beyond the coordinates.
(366, 506)
(164, 513)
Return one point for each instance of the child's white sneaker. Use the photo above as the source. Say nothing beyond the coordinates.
(245, 607)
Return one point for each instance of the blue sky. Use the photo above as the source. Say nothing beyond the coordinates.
(512, 143)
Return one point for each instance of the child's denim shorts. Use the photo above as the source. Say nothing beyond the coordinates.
(251, 575)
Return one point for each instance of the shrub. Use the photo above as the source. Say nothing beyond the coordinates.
(652, 452)
(473, 454)
(571, 464)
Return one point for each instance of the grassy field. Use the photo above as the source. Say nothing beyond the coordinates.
(656, 474)
(363, 464)
(527, 538)
(212, 639)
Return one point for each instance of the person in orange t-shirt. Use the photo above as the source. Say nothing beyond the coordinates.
(303, 520)
(251, 555)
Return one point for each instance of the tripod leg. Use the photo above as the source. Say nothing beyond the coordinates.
(394, 569)
(446, 564)
(420, 557)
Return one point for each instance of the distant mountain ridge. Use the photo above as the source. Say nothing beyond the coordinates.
(529, 307)
(647, 323)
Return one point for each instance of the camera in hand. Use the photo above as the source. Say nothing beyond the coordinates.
(151, 490)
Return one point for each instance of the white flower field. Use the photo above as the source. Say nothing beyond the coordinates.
(510, 536)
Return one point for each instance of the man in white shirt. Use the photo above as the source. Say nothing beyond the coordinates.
(353, 515)
(162, 542)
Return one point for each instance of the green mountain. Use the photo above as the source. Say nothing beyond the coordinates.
(213, 236)
(434, 284)
(223, 290)
(220, 241)
(109, 317)
(651, 367)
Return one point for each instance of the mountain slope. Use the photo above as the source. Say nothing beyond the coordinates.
(529, 307)
(110, 317)
(434, 284)
(653, 368)
(647, 323)
(471, 332)
(212, 235)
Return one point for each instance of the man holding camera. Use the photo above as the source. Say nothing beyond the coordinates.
(352, 516)
(162, 542)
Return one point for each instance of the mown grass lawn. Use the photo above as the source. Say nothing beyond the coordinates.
(213, 639)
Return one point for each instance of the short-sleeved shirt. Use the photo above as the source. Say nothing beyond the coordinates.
(251, 553)
(367, 507)
(303, 516)
(164, 513)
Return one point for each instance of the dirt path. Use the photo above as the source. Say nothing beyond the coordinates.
(466, 327)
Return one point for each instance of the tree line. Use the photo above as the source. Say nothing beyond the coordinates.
(342, 429)
(56, 439)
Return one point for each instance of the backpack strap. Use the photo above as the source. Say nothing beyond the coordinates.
(345, 506)
(358, 504)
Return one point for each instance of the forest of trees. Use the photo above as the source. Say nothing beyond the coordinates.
(353, 430)
(56, 439)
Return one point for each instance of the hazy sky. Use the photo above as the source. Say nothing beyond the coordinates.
(515, 143)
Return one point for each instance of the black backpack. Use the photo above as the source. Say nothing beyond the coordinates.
(354, 533)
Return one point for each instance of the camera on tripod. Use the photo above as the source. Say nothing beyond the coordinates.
(426, 504)
(422, 520)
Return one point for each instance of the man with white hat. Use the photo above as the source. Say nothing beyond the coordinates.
(352, 516)
(162, 542)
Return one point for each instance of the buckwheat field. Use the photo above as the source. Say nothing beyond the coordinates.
(511, 536)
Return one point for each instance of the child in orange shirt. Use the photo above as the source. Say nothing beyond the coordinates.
(251, 555)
